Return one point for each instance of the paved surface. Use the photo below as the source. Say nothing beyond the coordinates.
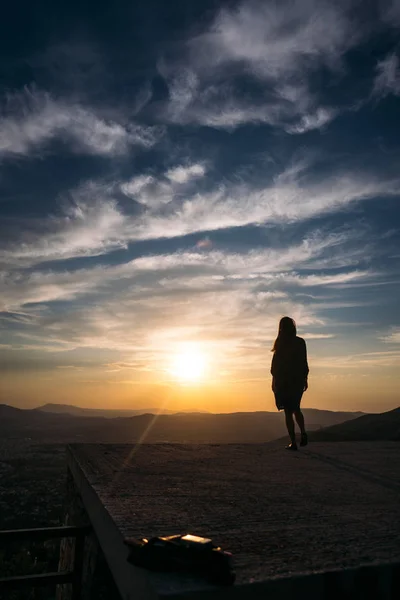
(327, 506)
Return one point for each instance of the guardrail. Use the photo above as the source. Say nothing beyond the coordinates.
(73, 577)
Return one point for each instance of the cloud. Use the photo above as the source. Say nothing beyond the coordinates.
(275, 48)
(182, 174)
(318, 336)
(136, 185)
(239, 205)
(228, 301)
(272, 40)
(321, 117)
(148, 191)
(84, 228)
(92, 221)
(222, 108)
(31, 119)
(393, 337)
(387, 79)
(360, 360)
(226, 320)
(160, 276)
(326, 280)
(269, 260)
(155, 192)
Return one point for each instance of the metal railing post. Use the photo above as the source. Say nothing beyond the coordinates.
(73, 577)
(78, 567)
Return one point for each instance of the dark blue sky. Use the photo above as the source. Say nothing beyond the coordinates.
(180, 175)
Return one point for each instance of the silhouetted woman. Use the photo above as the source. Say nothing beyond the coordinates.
(289, 371)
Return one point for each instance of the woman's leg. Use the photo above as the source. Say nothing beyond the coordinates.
(300, 421)
(290, 425)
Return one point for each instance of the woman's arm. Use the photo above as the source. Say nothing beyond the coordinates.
(273, 364)
(306, 370)
(273, 372)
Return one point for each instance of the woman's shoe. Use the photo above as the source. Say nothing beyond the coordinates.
(292, 446)
(304, 439)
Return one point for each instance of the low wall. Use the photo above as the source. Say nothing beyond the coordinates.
(97, 581)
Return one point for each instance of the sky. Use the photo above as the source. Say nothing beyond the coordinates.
(177, 176)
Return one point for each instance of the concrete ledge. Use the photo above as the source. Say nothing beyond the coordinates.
(130, 491)
(132, 583)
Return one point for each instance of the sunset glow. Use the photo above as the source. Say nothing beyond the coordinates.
(189, 365)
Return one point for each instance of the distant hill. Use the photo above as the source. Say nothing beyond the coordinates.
(16, 420)
(9, 412)
(383, 427)
(100, 412)
(184, 427)
(317, 418)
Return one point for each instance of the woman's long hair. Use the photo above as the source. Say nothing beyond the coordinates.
(286, 333)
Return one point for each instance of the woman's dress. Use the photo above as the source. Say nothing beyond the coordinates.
(289, 369)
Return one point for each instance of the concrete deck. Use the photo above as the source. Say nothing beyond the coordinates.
(329, 506)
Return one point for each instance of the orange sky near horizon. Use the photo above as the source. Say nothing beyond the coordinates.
(181, 371)
(369, 390)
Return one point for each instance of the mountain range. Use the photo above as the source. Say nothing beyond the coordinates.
(108, 413)
(246, 427)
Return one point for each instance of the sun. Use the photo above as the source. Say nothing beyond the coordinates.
(189, 365)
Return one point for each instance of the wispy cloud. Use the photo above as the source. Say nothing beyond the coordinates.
(319, 336)
(154, 192)
(82, 229)
(273, 41)
(237, 206)
(280, 46)
(30, 119)
(227, 321)
(229, 302)
(93, 222)
(393, 337)
(387, 79)
(328, 280)
(182, 174)
(159, 278)
(321, 117)
(362, 360)
(136, 185)
(148, 191)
